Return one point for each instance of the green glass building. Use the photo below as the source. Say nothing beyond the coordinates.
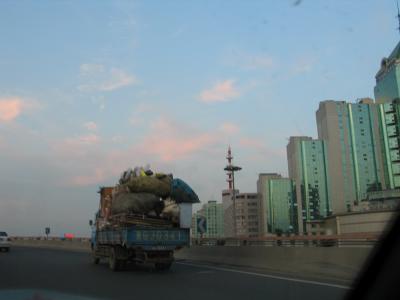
(282, 206)
(389, 125)
(213, 212)
(351, 132)
(387, 86)
(387, 96)
(307, 161)
(264, 194)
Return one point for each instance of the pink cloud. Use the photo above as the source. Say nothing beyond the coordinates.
(220, 92)
(170, 141)
(229, 128)
(85, 180)
(75, 146)
(10, 108)
(259, 147)
(89, 139)
(90, 125)
(251, 143)
(96, 77)
(165, 143)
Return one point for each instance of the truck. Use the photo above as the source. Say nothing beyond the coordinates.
(141, 239)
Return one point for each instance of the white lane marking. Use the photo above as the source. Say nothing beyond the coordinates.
(266, 275)
(205, 272)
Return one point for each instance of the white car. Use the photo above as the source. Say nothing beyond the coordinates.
(4, 241)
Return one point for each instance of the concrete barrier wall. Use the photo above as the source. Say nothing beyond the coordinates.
(319, 262)
(55, 244)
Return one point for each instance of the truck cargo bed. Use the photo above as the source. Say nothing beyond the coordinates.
(145, 237)
(139, 220)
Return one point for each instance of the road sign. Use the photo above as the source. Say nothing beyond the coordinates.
(201, 224)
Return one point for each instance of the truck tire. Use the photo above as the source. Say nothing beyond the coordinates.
(95, 259)
(113, 262)
(123, 264)
(163, 266)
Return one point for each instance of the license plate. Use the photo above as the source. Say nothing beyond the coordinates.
(158, 248)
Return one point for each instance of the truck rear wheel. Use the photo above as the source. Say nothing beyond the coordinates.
(163, 266)
(95, 259)
(113, 262)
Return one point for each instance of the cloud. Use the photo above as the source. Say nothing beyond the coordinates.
(221, 92)
(96, 77)
(249, 61)
(165, 145)
(91, 68)
(258, 62)
(303, 65)
(251, 143)
(84, 180)
(117, 138)
(138, 115)
(170, 141)
(89, 139)
(73, 147)
(92, 126)
(12, 107)
(259, 147)
(229, 128)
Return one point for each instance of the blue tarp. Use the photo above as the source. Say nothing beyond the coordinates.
(181, 192)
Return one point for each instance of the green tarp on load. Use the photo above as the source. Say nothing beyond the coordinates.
(157, 185)
(141, 203)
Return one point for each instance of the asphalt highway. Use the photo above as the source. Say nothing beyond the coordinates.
(43, 274)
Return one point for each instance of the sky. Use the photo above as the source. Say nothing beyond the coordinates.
(91, 88)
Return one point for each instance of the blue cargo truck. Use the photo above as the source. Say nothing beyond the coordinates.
(125, 238)
(138, 244)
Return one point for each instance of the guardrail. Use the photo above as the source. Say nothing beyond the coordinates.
(343, 240)
(42, 238)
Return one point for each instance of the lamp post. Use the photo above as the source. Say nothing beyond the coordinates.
(232, 169)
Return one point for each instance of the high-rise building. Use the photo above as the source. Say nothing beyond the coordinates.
(263, 194)
(389, 131)
(227, 204)
(387, 94)
(387, 86)
(307, 160)
(351, 133)
(282, 206)
(214, 215)
(247, 215)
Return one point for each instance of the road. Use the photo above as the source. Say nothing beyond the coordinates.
(73, 273)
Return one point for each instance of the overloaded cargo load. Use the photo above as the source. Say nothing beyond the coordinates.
(159, 185)
(139, 203)
(141, 191)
